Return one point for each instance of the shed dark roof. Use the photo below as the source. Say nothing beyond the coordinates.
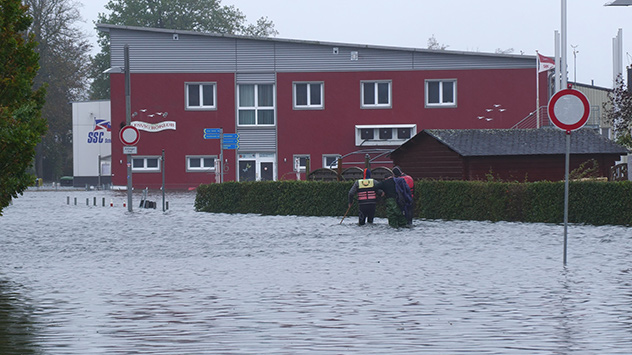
(542, 141)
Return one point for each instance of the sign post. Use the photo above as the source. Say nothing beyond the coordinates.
(568, 110)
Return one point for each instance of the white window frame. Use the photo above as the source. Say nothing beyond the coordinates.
(256, 106)
(376, 141)
(201, 106)
(335, 164)
(302, 167)
(376, 94)
(145, 168)
(441, 102)
(309, 105)
(201, 168)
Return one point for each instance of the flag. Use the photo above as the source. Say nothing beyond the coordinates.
(545, 63)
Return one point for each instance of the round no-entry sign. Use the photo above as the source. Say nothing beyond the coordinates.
(569, 109)
(129, 135)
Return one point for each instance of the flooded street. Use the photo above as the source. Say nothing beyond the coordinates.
(77, 279)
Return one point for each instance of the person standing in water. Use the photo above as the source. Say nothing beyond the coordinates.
(367, 197)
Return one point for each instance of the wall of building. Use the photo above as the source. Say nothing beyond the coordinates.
(91, 145)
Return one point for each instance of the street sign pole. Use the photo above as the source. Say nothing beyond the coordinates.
(128, 120)
(568, 158)
(221, 154)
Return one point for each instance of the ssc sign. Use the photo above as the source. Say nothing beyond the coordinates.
(129, 135)
(569, 109)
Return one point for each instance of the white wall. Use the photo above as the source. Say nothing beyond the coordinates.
(91, 139)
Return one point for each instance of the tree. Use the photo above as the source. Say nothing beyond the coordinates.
(434, 44)
(21, 125)
(64, 64)
(202, 16)
(618, 112)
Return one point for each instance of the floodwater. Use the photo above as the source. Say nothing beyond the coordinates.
(77, 279)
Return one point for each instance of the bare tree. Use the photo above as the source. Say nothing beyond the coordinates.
(434, 44)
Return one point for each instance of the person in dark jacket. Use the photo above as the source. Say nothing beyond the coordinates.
(367, 197)
(398, 200)
(397, 172)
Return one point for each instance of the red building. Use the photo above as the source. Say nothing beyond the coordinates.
(289, 100)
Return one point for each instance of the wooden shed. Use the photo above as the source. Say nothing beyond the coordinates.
(506, 154)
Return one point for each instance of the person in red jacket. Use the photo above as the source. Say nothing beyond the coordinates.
(367, 197)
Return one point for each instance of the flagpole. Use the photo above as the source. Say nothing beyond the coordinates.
(537, 89)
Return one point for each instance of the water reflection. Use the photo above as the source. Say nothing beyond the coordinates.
(17, 329)
(108, 281)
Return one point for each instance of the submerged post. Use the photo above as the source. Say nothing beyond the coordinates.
(128, 121)
(163, 180)
(566, 169)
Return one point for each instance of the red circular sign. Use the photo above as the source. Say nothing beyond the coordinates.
(129, 135)
(569, 109)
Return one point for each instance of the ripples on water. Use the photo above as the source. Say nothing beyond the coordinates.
(79, 280)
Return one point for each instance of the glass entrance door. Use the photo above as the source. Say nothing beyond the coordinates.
(247, 171)
(257, 167)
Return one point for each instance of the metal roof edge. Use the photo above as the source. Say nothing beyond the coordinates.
(107, 27)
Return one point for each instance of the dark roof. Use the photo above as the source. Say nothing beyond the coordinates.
(542, 141)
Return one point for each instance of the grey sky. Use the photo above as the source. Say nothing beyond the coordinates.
(463, 25)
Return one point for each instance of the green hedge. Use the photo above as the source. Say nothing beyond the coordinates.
(590, 202)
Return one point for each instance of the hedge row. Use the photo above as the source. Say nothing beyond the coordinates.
(590, 202)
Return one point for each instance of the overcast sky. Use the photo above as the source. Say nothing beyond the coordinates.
(463, 25)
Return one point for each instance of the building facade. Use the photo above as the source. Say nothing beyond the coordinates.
(292, 101)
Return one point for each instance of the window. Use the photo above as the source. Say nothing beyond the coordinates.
(200, 96)
(197, 163)
(256, 105)
(376, 94)
(441, 93)
(330, 161)
(300, 162)
(374, 135)
(308, 95)
(146, 164)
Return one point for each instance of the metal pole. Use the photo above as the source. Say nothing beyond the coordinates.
(163, 180)
(99, 172)
(128, 121)
(564, 44)
(568, 153)
(221, 154)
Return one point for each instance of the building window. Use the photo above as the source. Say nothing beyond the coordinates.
(308, 95)
(441, 93)
(374, 135)
(146, 164)
(331, 161)
(201, 96)
(197, 163)
(256, 105)
(300, 162)
(376, 94)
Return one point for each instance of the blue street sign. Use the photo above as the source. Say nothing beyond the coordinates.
(211, 136)
(211, 130)
(231, 135)
(230, 146)
(230, 141)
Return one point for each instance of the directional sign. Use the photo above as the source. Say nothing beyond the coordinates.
(211, 130)
(231, 135)
(211, 135)
(569, 109)
(129, 135)
(231, 141)
(230, 146)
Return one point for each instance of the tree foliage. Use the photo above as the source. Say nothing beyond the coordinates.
(618, 112)
(21, 125)
(208, 16)
(64, 65)
(434, 44)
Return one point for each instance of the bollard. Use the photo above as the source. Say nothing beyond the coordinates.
(124, 203)
(67, 200)
(104, 202)
(167, 203)
(75, 201)
(111, 203)
(87, 202)
(95, 201)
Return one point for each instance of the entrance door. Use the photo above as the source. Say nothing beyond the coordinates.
(267, 172)
(247, 170)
